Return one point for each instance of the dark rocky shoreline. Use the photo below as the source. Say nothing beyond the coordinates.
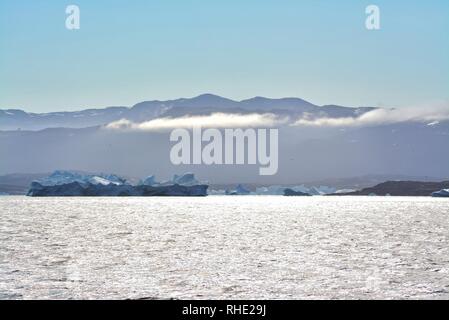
(401, 188)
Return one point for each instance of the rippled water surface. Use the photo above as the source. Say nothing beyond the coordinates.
(224, 247)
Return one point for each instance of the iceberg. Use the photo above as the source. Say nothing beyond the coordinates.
(315, 191)
(76, 189)
(301, 188)
(279, 190)
(290, 192)
(186, 179)
(219, 192)
(61, 177)
(149, 181)
(270, 190)
(443, 193)
(326, 190)
(321, 190)
(340, 191)
(240, 190)
(71, 184)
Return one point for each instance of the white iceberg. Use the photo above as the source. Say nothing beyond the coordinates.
(345, 191)
(186, 179)
(61, 177)
(326, 189)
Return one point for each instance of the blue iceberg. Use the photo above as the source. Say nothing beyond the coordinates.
(443, 193)
(240, 190)
(72, 184)
(290, 193)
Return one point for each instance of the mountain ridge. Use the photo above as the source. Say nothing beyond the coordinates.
(17, 119)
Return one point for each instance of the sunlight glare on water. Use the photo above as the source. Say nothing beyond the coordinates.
(241, 247)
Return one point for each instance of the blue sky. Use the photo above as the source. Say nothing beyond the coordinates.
(129, 51)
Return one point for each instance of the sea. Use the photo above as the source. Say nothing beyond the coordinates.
(224, 247)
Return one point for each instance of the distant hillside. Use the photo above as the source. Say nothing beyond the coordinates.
(403, 188)
(367, 181)
(15, 119)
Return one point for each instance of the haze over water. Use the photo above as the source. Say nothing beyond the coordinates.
(224, 247)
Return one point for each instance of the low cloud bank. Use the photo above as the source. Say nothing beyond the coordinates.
(433, 113)
(215, 120)
(430, 114)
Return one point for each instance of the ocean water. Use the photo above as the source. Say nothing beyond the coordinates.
(251, 247)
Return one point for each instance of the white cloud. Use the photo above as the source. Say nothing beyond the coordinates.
(438, 112)
(430, 114)
(215, 120)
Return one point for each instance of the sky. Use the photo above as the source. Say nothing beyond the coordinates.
(130, 51)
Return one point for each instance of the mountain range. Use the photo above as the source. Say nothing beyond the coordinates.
(15, 119)
(40, 143)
